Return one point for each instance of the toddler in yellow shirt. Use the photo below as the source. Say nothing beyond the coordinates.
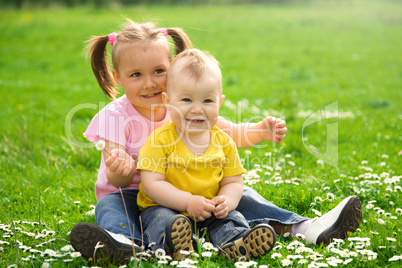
(191, 174)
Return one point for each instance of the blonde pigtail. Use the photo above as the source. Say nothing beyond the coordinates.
(96, 49)
(180, 39)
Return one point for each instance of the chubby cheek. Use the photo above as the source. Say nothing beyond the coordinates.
(175, 116)
(214, 116)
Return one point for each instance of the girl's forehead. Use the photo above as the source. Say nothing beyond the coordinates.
(141, 51)
(146, 45)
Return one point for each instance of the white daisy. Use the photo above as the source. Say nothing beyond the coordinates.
(100, 145)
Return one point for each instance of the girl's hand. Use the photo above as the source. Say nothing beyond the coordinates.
(274, 129)
(119, 162)
(199, 208)
(221, 207)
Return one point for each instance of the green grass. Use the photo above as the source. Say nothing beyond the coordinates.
(284, 59)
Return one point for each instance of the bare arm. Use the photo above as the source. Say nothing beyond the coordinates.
(250, 134)
(229, 195)
(166, 194)
(119, 165)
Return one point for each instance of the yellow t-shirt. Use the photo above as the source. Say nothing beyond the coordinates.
(165, 153)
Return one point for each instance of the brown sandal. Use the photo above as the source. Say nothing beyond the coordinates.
(254, 243)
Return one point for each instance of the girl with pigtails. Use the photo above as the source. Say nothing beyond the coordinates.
(141, 57)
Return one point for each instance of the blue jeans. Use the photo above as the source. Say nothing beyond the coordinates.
(256, 209)
(220, 231)
(111, 215)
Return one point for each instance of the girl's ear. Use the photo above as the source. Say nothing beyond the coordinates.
(221, 100)
(165, 99)
(116, 77)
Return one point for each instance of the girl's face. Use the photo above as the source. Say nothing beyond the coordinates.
(142, 68)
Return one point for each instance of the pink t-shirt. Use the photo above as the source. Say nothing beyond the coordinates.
(120, 123)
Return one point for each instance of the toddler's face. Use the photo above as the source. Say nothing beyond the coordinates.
(194, 105)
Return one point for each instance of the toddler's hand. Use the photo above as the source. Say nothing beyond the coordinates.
(199, 208)
(119, 162)
(221, 207)
(274, 129)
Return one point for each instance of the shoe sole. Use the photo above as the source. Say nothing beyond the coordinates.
(85, 237)
(347, 223)
(179, 234)
(256, 243)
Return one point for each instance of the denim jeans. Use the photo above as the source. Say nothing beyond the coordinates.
(110, 213)
(220, 231)
(256, 209)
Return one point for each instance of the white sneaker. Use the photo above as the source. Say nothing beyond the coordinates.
(342, 220)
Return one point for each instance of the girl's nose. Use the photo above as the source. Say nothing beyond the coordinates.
(149, 83)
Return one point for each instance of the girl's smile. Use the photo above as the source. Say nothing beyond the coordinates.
(157, 94)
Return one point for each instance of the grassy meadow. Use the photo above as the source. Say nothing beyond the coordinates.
(331, 69)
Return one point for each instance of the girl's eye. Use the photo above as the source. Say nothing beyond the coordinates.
(137, 74)
(186, 100)
(208, 101)
(159, 71)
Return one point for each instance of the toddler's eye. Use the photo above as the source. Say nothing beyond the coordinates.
(137, 74)
(208, 101)
(186, 100)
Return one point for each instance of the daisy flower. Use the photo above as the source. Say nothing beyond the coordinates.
(209, 246)
(300, 236)
(369, 206)
(380, 212)
(100, 145)
(395, 258)
(276, 255)
(353, 254)
(347, 261)
(317, 212)
(160, 253)
(380, 221)
(330, 196)
(206, 254)
(75, 254)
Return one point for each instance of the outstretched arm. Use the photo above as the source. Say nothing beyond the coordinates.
(166, 194)
(250, 134)
(229, 195)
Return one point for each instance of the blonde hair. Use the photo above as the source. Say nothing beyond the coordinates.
(133, 32)
(195, 63)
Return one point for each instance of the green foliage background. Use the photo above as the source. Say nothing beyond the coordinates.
(282, 58)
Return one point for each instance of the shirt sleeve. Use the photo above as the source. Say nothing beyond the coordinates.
(108, 124)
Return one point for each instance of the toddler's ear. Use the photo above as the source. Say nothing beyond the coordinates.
(221, 100)
(166, 101)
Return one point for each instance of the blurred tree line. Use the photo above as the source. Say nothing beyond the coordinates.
(19, 4)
